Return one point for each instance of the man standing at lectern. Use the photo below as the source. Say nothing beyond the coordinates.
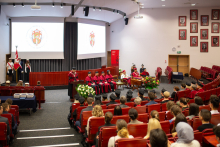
(73, 77)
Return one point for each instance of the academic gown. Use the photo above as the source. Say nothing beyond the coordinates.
(142, 70)
(96, 79)
(144, 74)
(111, 81)
(89, 82)
(135, 75)
(107, 85)
(73, 77)
(200, 90)
(192, 94)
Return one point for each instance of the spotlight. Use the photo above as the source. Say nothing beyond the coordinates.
(117, 12)
(22, 5)
(86, 9)
(61, 5)
(53, 5)
(126, 21)
(93, 8)
(72, 10)
(100, 9)
(14, 5)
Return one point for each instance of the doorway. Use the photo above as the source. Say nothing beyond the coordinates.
(109, 59)
(179, 63)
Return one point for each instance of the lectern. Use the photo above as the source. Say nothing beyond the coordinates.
(74, 85)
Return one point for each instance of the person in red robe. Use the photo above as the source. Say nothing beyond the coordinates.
(110, 80)
(193, 92)
(199, 87)
(135, 74)
(90, 82)
(125, 78)
(73, 77)
(104, 81)
(188, 86)
(97, 81)
(201, 81)
(144, 73)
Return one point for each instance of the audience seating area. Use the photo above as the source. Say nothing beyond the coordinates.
(217, 68)
(208, 73)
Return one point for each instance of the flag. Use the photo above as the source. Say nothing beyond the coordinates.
(16, 62)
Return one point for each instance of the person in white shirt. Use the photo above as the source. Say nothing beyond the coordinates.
(122, 130)
(125, 78)
(214, 104)
(10, 68)
(216, 131)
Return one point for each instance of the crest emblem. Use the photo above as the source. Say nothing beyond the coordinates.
(92, 39)
(36, 37)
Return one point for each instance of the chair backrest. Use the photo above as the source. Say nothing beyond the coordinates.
(204, 107)
(117, 101)
(125, 142)
(13, 111)
(130, 104)
(105, 102)
(153, 107)
(17, 112)
(115, 118)
(84, 119)
(10, 123)
(186, 112)
(184, 93)
(104, 107)
(165, 126)
(169, 115)
(140, 109)
(6, 91)
(191, 101)
(112, 106)
(138, 130)
(94, 124)
(198, 137)
(133, 99)
(105, 134)
(108, 110)
(79, 109)
(3, 133)
(215, 119)
(196, 123)
(143, 103)
(164, 107)
(125, 110)
(74, 106)
(143, 117)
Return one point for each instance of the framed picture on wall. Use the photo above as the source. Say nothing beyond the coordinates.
(194, 27)
(204, 46)
(215, 14)
(193, 14)
(182, 34)
(193, 40)
(182, 20)
(215, 27)
(215, 41)
(204, 20)
(204, 34)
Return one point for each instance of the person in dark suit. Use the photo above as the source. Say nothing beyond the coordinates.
(14, 123)
(20, 69)
(142, 68)
(112, 100)
(175, 90)
(108, 119)
(98, 100)
(129, 97)
(117, 93)
(123, 101)
(5, 120)
(141, 95)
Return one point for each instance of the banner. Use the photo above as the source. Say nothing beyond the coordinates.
(16, 62)
(114, 57)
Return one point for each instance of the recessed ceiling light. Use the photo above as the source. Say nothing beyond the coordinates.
(61, 5)
(193, 4)
(14, 5)
(162, 0)
(100, 9)
(163, 5)
(53, 5)
(93, 8)
(141, 4)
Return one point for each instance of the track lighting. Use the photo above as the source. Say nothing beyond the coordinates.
(93, 8)
(117, 12)
(22, 5)
(53, 5)
(100, 9)
(14, 5)
(61, 5)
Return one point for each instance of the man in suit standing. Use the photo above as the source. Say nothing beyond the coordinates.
(5, 120)
(20, 69)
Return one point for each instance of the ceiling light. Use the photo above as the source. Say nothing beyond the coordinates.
(53, 5)
(163, 5)
(14, 5)
(93, 8)
(141, 4)
(61, 5)
(117, 12)
(100, 9)
(193, 4)
(162, 0)
(22, 5)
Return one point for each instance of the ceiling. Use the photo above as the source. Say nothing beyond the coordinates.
(126, 6)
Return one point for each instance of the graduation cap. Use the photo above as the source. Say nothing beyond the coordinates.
(27, 59)
(142, 64)
(124, 71)
(104, 96)
(129, 96)
(81, 100)
(108, 71)
(188, 84)
(103, 72)
(112, 97)
(98, 97)
(89, 72)
(96, 72)
(117, 92)
(129, 91)
(10, 58)
(90, 95)
(193, 82)
(19, 58)
(163, 90)
(201, 80)
(141, 91)
(73, 68)
(77, 96)
(7, 82)
(200, 84)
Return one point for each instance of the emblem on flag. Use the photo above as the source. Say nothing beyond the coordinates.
(36, 37)
(92, 39)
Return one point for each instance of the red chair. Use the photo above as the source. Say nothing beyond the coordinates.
(104, 106)
(117, 101)
(112, 106)
(125, 110)
(105, 102)
(218, 91)
(165, 126)
(143, 103)
(215, 119)
(3, 134)
(198, 137)
(5, 91)
(79, 109)
(191, 101)
(133, 99)
(204, 107)
(125, 142)
(17, 113)
(137, 130)
(143, 117)
(186, 112)
(84, 119)
(140, 109)
(189, 121)
(130, 104)
(196, 123)
(184, 93)
(164, 107)
(108, 110)
(162, 116)
(153, 107)
(74, 106)
(29, 89)
(105, 134)
(13, 111)
(115, 118)
(10, 123)
(169, 116)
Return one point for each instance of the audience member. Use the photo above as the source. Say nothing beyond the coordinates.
(129, 97)
(129, 92)
(7, 83)
(193, 83)
(201, 81)
(5, 120)
(158, 138)
(112, 100)
(214, 104)
(98, 100)
(26, 84)
(175, 109)
(123, 101)
(205, 117)
(183, 86)
(216, 130)
(169, 105)
(198, 100)
(152, 124)
(166, 97)
(162, 93)
(122, 130)
(193, 92)
(179, 118)
(193, 110)
(10, 102)
(199, 87)
(152, 97)
(137, 101)
(19, 83)
(133, 114)
(154, 92)
(117, 94)
(175, 89)
(104, 97)
(76, 98)
(141, 95)
(185, 136)
(184, 103)
(154, 114)
(117, 110)
(188, 86)
(38, 83)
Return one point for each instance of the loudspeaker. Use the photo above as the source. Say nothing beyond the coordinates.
(72, 10)
(86, 11)
(126, 21)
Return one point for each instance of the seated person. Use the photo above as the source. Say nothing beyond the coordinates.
(175, 110)
(133, 115)
(5, 120)
(129, 97)
(152, 124)
(135, 74)
(166, 97)
(162, 93)
(214, 104)
(97, 81)
(154, 114)
(97, 100)
(137, 101)
(104, 97)
(184, 103)
(38, 83)
(122, 132)
(201, 81)
(175, 89)
(88, 108)
(108, 119)
(20, 83)
(144, 73)
(158, 138)
(193, 110)
(117, 94)
(198, 101)
(117, 110)
(27, 84)
(188, 86)
(141, 95)
(183, 86)
(142, 68)
(9, 101)
(152, 97)
(169, 105)
(129, 92)
(123, 100)
(199, 87)
(104, 81)
(7, 83)
(205, 117)
(90, 82)
(125, 78)
(14, 123)
(185, 136)
(74, 113)
(110, 80)
(193, 92)
(193, 83)
(216, 131)
(112, 100)
(179, 118)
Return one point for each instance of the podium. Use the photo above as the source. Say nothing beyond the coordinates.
(74, 85)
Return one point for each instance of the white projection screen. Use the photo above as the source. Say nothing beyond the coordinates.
(37, 37)
(91, 39)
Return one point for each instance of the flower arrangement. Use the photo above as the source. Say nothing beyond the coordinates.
(84, 90)
(151, 83)
(120, 70)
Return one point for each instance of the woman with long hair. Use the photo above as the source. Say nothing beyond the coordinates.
(153, 124)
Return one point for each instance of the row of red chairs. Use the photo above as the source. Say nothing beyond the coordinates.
(212, 84)
(3, 134)
(206, 71)
(215, 67)
(11, 90)
(206, 94)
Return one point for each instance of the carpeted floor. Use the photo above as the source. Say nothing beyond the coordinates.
(54, 115)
